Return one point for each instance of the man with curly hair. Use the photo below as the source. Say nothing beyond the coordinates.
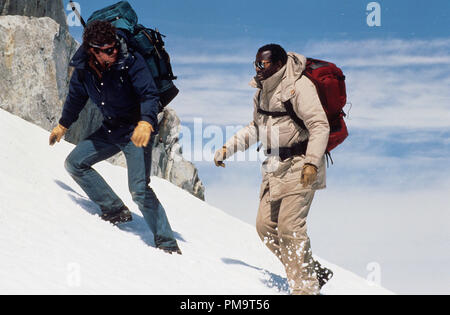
(119, 82)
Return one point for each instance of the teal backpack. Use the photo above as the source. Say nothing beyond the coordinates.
(148, 42)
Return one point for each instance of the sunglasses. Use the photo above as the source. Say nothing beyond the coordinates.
(108, 51)
(261, 64)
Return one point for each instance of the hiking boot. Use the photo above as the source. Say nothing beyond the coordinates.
(323, 274)
(121, 216)
(171, 250)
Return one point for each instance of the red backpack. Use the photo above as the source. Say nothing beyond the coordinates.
(330, 84)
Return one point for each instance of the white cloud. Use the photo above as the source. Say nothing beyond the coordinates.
(414, 51)
(210, 59)
(390, 83)
(408, 98)
(394, 61)
(356, 53)
(218, 96)
(405, 232)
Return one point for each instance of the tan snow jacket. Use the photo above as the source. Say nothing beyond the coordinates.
(283, 177)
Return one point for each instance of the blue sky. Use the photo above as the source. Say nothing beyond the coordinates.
(388, 189)
(288, 20)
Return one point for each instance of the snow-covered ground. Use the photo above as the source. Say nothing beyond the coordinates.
(52, 240)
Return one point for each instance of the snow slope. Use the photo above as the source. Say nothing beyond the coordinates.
(52, 240)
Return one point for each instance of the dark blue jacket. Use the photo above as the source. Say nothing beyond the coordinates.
(125, 95)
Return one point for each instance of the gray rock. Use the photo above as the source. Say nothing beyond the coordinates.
(36, 8)
(34, 75)
(168, 159)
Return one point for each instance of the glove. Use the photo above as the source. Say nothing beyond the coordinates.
(220, 156)
(57, 133)
(309, 175)
(142, 133)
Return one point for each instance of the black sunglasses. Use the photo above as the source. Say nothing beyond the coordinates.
(109, 51)
(261, 64)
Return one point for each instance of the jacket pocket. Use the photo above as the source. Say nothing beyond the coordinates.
(297, 163)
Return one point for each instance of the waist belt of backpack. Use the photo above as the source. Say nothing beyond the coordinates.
(287, 152)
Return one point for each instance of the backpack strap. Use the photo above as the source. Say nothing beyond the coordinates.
(290, 111)
(298, 121)
(267, 113)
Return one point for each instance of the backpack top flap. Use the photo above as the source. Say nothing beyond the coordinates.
(121, 15)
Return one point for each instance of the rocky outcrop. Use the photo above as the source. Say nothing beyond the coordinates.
(34, 80)
(168, 160)
(36, 8)
(34, 75)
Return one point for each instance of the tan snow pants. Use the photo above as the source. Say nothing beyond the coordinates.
(281, 225)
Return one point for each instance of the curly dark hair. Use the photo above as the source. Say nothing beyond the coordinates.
(278, 53)
(99, 33)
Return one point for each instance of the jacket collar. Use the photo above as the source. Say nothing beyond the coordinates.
(293, 70)
(274, 80)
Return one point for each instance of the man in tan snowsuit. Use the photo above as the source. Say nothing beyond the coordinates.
(295, 164)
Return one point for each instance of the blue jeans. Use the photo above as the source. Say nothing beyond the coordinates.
(98, 147)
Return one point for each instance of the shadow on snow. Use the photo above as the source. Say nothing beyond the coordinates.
(270, 280)
(138, 226)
